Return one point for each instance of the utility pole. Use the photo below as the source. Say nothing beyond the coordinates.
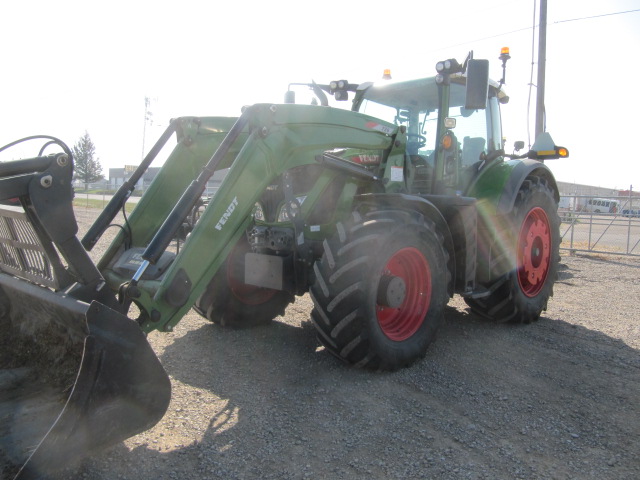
(147, 117)
(542, 58)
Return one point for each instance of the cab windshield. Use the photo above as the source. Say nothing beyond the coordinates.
(414, 104)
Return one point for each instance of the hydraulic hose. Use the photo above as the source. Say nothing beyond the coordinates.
(125, 190)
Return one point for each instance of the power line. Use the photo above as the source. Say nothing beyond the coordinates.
(597, 16)
(528, 28)
(480, 39)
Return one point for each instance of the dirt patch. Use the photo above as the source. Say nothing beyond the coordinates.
(556, 399)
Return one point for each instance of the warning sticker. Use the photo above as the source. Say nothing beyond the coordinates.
(397, 174)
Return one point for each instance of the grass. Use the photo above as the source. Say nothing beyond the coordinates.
(600, 252)
(108, 192)
(582, 245)
(81, 202)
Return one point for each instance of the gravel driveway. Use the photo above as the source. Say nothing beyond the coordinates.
(556, 399)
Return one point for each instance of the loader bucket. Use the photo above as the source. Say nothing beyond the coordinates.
(74, 378)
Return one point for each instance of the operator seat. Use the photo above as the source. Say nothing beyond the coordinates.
(472, 147)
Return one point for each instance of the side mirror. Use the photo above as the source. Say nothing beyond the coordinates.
(477, 84)
(290, 96)
(519, 145)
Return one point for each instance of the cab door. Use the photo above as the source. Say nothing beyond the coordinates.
(468, 137)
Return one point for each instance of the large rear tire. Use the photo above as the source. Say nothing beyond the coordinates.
(380, 289)
(230, 302)
(526, 255)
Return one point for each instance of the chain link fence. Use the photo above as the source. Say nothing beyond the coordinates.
(593, 224)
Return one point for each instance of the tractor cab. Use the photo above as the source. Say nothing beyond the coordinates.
(446, 142)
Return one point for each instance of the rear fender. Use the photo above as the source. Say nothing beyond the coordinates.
(496, 188)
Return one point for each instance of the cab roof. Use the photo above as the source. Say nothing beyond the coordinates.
(419, 94)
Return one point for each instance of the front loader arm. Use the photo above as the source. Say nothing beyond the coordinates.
(182, 166)
(278, 138)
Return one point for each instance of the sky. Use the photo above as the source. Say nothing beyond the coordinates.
(70, 67)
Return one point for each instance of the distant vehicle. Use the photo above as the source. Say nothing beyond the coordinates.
(631, 213)
(602, 205)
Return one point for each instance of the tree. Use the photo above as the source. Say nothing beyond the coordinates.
(87, 167)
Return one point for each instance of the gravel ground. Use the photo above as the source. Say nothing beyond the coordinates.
(556, 399)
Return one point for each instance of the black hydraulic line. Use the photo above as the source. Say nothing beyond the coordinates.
(28, 165)
(343, 165)
(192, 194)
(55, 140)
(44, 147)
(118, 200)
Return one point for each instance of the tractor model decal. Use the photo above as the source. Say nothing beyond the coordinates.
(365, 159)
(380, 128)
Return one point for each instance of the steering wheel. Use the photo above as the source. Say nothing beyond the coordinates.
(418, 141)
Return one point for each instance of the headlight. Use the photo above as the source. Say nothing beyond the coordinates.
(283, 214)
(258, 212)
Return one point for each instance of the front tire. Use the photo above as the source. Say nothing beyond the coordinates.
(526, 256)
(230, 302)
(380, 289)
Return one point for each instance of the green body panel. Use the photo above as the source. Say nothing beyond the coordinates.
(497, 184)
(489, 186)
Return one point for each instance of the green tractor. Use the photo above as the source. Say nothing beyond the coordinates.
(381, 213)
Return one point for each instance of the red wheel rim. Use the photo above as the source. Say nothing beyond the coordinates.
(247, 294)
(400, 323)
(534, 252)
